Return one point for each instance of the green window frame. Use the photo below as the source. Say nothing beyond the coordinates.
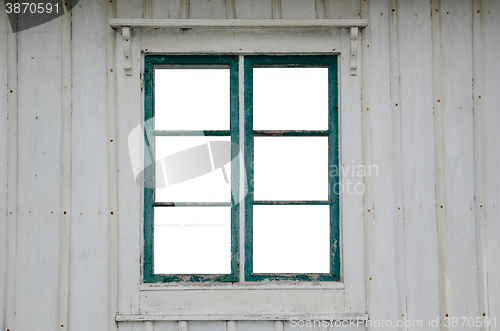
(152, 62)
(251, 61)
(329, 62)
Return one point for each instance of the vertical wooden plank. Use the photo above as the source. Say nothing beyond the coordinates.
(12, 179)
(66, 124)
(147, 7)
(383, 278)
(418, 167)
(39, 176)
(352, 225)
(112, 169)
(166, 8)
(490, 99)
(253, 9)
(367, 152)
(439, 156)
(298, 9)
(478, 114)
(183, 326)
(129, 101)
(456, 75)
(4, 157)
(207, 9)
(230, 11)
(231, 326)
(320, 9)
(89, 205)
(276, 14)
(337, 9)
(184, 8)
(129, 8)
(397, 156)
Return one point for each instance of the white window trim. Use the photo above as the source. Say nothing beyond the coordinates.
(276, 301)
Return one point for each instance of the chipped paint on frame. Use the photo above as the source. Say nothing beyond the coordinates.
(150, 62)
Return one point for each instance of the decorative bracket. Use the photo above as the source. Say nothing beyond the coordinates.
(354, 50)
(126, 50)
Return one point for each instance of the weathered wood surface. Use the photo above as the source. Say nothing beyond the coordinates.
(39, 176)
(4, 158)
(405, 243)
(457, 106)
(383, 274)
(89, 231)
(418, 165)
(490, 99)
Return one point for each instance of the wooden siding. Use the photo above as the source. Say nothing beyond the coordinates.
(428, 118)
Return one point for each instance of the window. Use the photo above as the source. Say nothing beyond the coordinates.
(192, 194)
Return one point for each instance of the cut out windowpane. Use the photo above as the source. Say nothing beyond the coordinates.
(192, 240)
(291, 168)
(290, 98)
(291, 239)
(192, 99)
(193, 169)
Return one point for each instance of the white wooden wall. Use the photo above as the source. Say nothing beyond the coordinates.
(430, 121)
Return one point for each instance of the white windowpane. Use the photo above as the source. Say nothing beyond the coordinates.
(290, 98)
(192, 99)
(192, 240)
(291, 239)
(291, 168)
(193, 169)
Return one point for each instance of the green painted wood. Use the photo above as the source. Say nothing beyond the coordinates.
(331, 62)
(268, 203)
(192, 204)
(193, 133)
(151, 62)
(331, 133)
(291, 133)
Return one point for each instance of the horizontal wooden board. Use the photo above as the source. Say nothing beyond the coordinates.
(246, 302)
(240, 41)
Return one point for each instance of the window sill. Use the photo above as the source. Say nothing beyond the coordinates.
(244, 286)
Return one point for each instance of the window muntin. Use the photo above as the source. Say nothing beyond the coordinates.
(314, 197)
(314, 130)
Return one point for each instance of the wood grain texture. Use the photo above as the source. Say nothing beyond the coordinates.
(383, 278)
(491, 136)
(298, 9)
(261, 9)
(39, 175)
(90, 211)
(4, 157)
(207, 9)
(129, 8)
(342, 9)
(66, 125)
(421, 247)
(166, 9)
(478, 114)
(456, 75)
(352, 226)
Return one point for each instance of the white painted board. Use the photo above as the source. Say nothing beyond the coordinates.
(89, 196)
